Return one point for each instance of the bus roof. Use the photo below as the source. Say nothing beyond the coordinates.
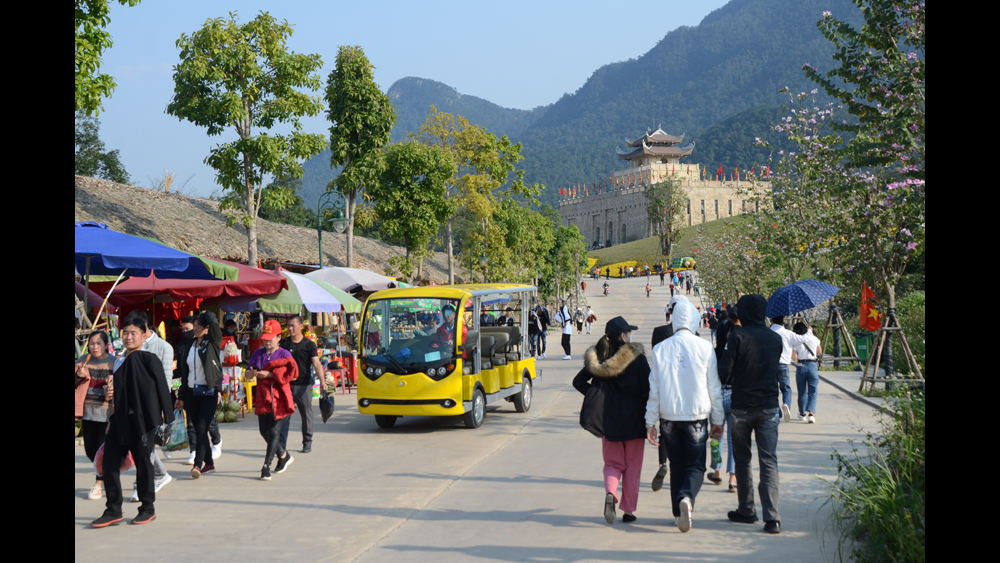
(453, 291)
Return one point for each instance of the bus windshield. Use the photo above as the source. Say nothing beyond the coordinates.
(410, 332)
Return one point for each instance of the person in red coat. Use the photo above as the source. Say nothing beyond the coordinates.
(445, 337)
(274, 368)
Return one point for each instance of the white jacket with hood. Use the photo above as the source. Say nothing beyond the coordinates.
(684, 382)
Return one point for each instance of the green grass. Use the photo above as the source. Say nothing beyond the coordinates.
(646, 247)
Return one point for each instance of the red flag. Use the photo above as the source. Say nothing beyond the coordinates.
(719, 173)
(768, 171)
(751, 169)
(870, 317)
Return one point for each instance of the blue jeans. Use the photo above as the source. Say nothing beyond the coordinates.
(786, 386)
(533, 340)
(763, 424)
(685, 442)
(543, 344)
(807, 377)
(727, 402)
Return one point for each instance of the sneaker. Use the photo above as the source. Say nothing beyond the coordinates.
(190, 460)
(711, 477)
(684, 521)
(543, 355)
(159, 483)
(135, 493)
(283, 463)
(772, 527)
(737, 517)
(787, 411)
(143, 518)
(306, 448)
(217, 450)
(95, 492)
(661, 473)
(265, 473)
(609, 508)
(106, 520)
(566, 357)
(732, 488)
(628, 518)
(208, 469)
(811, 418)
(167, 454)
(195, 472)
(802, 416)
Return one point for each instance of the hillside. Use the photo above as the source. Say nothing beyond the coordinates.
(650, 246)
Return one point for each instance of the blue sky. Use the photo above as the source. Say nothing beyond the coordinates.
(521, 55)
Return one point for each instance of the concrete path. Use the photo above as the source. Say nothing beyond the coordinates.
(524, 487)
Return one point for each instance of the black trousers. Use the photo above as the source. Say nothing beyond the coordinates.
(213, 432)
(302, 394)
(270, 430)
(685, 442)
(565, 343)
(92, 433)
(202, 411)
(114, 455)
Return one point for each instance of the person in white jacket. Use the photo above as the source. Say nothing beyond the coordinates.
(684, 391)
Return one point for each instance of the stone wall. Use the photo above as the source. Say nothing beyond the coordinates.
(597, 215)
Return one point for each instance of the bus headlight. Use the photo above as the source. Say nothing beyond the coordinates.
(370, 371)
(378, 372)
(447, 403)
(365, 402)
(441, 371)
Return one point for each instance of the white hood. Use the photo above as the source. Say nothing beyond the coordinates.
(684, 381)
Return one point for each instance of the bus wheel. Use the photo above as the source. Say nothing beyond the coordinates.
(522, 401)
(385, 420)
(474, 418)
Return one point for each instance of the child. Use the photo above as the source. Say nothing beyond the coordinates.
(648, 289)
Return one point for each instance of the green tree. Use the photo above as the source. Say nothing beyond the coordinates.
(244, 76)
(295, 213)
(666, 211)
(362, 118)
(410, 198)
(567, 256)
(91, 158)
(92, 16)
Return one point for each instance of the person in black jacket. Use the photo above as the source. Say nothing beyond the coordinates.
(200, 371)
(722, 332)
(750, 366)
(622, 371)
(543, 316)
(141, 404)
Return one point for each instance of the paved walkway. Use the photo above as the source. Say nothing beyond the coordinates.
(524, 487)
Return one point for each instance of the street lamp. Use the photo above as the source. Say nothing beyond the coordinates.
(339, 222)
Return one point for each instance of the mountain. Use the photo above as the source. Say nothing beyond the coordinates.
(725, 71)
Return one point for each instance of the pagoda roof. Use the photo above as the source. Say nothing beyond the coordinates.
(657, 137)
(655, 150)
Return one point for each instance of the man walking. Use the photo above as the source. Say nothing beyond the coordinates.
(750, 365)
(546, 321)
(306, 355)
(534, 327)
(788, 341)
(565, 320)
(684, 390)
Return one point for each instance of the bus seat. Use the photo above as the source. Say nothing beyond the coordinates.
(488, 344)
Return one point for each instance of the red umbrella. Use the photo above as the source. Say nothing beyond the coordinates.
(250, 282)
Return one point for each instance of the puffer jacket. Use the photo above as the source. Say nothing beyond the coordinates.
(750, 360)
(625, 379)
(684, 383)
(274, 394)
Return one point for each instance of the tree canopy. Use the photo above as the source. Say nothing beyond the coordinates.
(92, 16)
(91, 157)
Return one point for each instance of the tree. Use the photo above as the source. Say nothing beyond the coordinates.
(243, 76)
(295, 213)
(362, 118)
(91, 158)
(92, 16)
(666, 211)
(410, 198)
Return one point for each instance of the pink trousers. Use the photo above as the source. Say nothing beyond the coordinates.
(623, 462)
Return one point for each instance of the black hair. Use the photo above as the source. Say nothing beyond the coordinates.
(778, 320)
(140, 314)
(734, 313)
(508, 309)
(187, 319)
(721, 314)
(104, 338)
(800, 328)
(202, 320)
(293, 317)
(138, 321)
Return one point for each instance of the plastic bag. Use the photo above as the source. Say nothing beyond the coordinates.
(326, 405)
(178, 438)
(129, 463)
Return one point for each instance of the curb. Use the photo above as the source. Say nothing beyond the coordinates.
(853, 394)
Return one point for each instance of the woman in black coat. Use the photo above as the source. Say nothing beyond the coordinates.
(621, 370)
(200, 371)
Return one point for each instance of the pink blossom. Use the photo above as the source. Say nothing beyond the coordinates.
(911, 246)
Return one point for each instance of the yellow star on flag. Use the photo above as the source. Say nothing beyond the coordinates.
(873, 313)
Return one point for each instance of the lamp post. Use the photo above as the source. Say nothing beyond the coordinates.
(339, 222)
(483, 260)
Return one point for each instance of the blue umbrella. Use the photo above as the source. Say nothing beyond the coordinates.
(799, 296)
(103, 252)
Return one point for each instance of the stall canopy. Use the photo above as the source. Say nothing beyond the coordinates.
(101, 251)
(251, 283)
(94, 301)
(301, 292)
(353, 280)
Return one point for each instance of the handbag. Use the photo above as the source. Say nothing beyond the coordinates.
(326, 405)
(592, 410)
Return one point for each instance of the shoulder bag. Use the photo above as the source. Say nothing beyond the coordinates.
(592, 410)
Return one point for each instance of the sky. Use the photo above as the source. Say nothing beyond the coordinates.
(523, 55)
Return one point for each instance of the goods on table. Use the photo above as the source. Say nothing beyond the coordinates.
(220, 416)
(230, 416)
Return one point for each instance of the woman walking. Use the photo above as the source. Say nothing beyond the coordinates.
(806, 372)
(200, 372)
(275, 368)
(579, 319)
(620, 368)
(591, 318)
(565, 320)
(96, 369)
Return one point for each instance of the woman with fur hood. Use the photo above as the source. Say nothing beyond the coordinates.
(275, 368)
(620, 368)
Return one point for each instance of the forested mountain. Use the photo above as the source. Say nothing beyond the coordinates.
(725, 72)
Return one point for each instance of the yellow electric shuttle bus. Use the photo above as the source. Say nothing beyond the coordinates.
(422, 352)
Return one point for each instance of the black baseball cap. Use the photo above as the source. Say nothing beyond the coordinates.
(617, 326)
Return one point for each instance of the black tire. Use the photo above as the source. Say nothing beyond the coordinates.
(522, 401)
(474, 418)
(385, 420)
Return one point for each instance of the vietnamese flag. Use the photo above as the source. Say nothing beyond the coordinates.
(870, 319)
(719, 173)
(767, 172)
(751, 169)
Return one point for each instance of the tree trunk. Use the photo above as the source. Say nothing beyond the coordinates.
(352, 196)
(420, 269)
(451, 257)
(250, 208)
(252, 244)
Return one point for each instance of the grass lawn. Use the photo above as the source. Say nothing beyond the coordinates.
(651, 246)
